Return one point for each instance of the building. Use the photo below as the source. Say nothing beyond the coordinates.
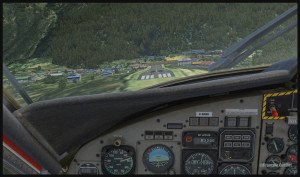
(218, 51)
(199, 56)
(76, 77)
(197, 63)
(97, 70)
(198, 51)
(143, 65)
(205, 64)
(107, 73)
(135, 66)
(202, 64)
(161, 57)
(23, 78)
(216, 55)
(108, 69)
(186, 52)
(151, 57)
(186, 61)
(79, 70)
(41, 74)
(32, 75)
(56, 74)
(207, 56)
(120, 68)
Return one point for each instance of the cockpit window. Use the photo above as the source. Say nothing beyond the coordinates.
(57, 50)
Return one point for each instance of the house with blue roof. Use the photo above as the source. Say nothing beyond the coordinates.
(107, 73)
(76, 77)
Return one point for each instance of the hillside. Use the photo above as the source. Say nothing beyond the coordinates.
(89, 34)
(27, 27)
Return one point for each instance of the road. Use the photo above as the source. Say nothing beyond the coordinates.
(156, 71)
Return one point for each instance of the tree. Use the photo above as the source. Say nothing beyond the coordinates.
(62, 84)
(116, 71)
(39, 68)
(49, 80)
(93, 76)
(74, 81)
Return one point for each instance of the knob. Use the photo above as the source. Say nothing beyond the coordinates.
(117, 142)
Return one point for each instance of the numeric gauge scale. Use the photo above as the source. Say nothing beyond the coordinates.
(293, 133)
(273, 162)
(235, 169)
(158, 158)
(275, 145)
(291, 171)
(292, 153)
(199, 162)
(118, 160)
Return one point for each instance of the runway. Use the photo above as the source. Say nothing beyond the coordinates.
(156, 71)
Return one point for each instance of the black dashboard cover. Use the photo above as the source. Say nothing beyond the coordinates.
(63, 124)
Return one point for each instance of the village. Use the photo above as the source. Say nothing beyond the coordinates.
(192, 59)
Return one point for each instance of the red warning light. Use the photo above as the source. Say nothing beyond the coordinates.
(274, 111)
(292, 158)
(188, 139)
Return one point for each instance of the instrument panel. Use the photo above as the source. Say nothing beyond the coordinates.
(241, 134)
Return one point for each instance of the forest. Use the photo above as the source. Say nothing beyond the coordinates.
(99, 33)
(91, 34)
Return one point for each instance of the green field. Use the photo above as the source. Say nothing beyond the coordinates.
(39, 91)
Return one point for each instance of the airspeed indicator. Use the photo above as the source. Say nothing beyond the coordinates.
(118, 160)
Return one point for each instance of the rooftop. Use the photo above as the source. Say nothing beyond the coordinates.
(22, 77)
(185, 59)
(71, 77)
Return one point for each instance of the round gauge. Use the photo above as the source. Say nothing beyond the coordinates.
(293, 133)
(291, 171)
(158, 158)
(199, 164)
(273, 162)
(292, 153)
(275, 145)
(88, 169)
(235, 169)
(118, 160)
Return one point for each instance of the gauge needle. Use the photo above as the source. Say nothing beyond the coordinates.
(125, 159)
(275, 145)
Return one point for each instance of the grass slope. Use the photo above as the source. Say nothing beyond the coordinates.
(39, 91)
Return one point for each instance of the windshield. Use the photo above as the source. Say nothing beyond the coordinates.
(57, 50)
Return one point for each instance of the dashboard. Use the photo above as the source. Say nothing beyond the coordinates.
(244, 133)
